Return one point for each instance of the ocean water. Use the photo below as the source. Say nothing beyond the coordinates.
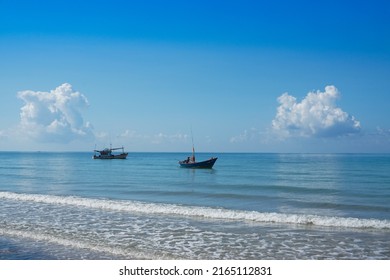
(249, 206)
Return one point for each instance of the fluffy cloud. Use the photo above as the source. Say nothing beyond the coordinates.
(54, 116)
(316, 115)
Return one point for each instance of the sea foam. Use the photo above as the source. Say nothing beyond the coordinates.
(47, 238)
(199, 212)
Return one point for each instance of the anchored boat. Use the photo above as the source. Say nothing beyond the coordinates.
(190, 162)
(198, 164)
(107, 153)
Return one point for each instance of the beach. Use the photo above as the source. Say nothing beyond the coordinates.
(249, 206)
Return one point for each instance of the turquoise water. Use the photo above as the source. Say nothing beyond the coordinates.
(249, 206)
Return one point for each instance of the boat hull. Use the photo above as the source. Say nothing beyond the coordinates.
(120, 156)
(201, 164)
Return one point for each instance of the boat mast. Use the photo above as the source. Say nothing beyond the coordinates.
(193, 148)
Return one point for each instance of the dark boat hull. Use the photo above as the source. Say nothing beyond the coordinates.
(201, 164)
(120, 156)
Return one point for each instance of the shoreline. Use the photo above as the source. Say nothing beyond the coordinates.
(21, 248)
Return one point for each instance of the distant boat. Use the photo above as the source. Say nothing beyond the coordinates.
(190, 162)
(107, 154)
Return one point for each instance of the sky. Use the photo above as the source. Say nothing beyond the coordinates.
(230, 76)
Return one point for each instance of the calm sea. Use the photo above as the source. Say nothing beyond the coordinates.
(249, 206)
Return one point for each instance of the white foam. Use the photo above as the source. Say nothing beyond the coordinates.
(77, 244)
(195, 211)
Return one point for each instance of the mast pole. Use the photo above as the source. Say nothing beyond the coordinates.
(193, 148)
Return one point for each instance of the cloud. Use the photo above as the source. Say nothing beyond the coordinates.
(54, 116)
(383, 132)
(158, 138)
(247, 135)
(171, 138)
(316, 115)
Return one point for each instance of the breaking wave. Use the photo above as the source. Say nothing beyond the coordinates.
(199, 212)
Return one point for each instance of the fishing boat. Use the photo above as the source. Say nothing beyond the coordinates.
(107, 153)
(190, 162)
(198, 164)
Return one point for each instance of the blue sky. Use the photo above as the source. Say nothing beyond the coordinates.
(245, 76)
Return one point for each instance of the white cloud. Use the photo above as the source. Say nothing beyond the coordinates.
(154, 138)
(54, 116)
(171, 138)
(316, 115)
(133, 135)
(383, 131)
(247, 135)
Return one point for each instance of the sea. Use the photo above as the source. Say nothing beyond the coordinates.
(250, 206)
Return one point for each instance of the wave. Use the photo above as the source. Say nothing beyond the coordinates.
(200, 212)
(47, 238)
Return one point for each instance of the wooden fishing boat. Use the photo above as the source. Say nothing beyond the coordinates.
(108, 154)
(200, 164)
(190, 162)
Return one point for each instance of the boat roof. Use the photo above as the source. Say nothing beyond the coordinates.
(108, 149)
